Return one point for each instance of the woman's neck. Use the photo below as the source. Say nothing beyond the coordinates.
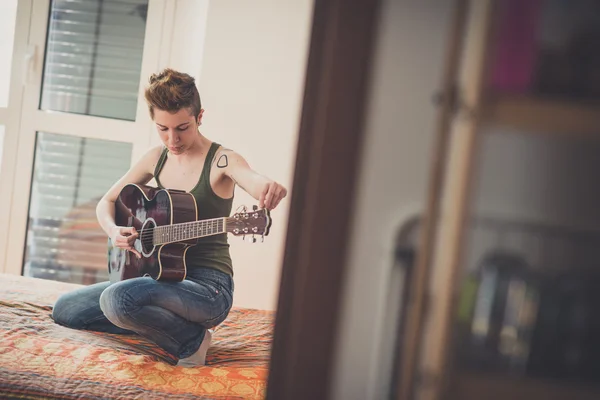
(200, 147)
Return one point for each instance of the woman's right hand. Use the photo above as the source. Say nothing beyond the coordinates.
(124, 237)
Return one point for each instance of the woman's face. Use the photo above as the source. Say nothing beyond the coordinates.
(177, 131)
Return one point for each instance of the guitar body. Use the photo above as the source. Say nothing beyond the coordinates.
(146, 208)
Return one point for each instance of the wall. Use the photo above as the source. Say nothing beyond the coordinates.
(392, 184)
(8, 10)
(251, 85)
(185, 44)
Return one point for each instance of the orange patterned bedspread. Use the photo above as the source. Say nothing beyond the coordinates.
(40, 359)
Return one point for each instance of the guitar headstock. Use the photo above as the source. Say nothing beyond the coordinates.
(244, 223)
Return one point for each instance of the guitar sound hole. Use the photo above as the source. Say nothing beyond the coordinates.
(146, 236)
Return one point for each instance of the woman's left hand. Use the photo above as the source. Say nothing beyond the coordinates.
(271, 195)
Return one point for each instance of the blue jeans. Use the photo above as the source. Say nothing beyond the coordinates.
(174, 315)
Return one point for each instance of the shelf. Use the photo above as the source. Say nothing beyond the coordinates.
(543, 116)
(476, 386)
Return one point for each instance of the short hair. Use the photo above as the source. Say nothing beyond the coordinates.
(171, 90)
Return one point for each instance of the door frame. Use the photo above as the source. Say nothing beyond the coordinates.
(11, 118)
(329, 144)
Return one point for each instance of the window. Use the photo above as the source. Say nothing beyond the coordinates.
(64, 240)
(93, 57)
(81, 94)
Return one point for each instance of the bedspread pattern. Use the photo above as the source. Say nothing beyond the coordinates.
(40, 359)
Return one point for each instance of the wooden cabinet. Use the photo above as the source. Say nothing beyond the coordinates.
(547, 99)
(538, 115)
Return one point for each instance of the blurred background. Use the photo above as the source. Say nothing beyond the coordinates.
(478, 190)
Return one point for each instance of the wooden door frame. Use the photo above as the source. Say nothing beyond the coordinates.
(331, 131)
(449, 101)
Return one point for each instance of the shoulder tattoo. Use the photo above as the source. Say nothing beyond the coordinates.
(221, 158)
(222, 161)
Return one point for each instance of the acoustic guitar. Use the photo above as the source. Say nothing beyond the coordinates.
(166, 221)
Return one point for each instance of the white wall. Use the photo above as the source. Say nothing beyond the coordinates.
(251, 86)
(8, 11)
(392, 184)
(188, 35)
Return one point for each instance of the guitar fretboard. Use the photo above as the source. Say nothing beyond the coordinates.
(188, 230)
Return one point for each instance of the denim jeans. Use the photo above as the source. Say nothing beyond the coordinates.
(174, 315)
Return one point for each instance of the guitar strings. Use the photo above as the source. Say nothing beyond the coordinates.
(147, 235)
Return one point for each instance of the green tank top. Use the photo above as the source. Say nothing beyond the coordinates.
(210, 251)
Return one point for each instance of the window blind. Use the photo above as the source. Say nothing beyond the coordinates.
(64, 240)
(93, 57)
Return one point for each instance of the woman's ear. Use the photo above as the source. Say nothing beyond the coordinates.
(200, 116)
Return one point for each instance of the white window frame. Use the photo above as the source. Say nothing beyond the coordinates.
(23, 118)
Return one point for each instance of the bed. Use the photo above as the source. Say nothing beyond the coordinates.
(40, 359)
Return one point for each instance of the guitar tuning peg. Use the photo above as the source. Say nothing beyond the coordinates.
(253, 239)
(254, 207)
(243, 237)
(263, 238)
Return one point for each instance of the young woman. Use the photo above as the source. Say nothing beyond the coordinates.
(177, 316)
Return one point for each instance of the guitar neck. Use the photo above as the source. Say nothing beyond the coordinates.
(189, 230)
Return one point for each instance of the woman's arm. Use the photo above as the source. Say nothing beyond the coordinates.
(268, 192)
(141, 173)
